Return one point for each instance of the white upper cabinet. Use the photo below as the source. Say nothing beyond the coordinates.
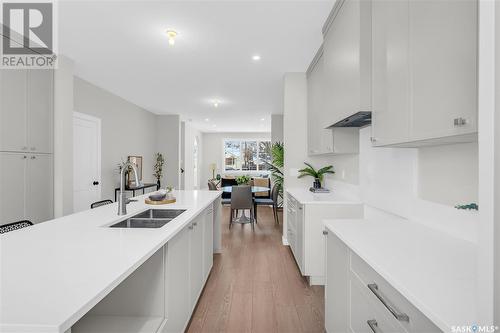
(347, 60)
(424, 72)
(26, 110)
(13, 110)
(40, 107)
(390, 89)
(322, 140)
(319, 139)
(443, 67)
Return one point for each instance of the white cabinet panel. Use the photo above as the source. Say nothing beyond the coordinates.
(177, 276)
(12, 187)
(13, 110)
(40, 193)
(444, 80)
(196, 258)
(423, 97)
(390, 88)
(342, 63)
(40, 110)
(208, 241)
(315, 103)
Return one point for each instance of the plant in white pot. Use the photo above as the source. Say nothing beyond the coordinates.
(318, 175)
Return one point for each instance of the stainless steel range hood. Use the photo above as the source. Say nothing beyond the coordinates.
(359, 119)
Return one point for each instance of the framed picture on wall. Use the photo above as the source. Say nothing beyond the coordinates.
(137, 161)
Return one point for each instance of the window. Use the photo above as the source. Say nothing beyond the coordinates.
(246, 155)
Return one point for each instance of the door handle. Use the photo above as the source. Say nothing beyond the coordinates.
(95, 182)
(373, 326)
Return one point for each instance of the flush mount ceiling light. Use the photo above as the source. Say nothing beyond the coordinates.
(171, 36)
(256, 57)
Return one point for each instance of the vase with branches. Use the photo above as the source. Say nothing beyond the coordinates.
(158, 168)
(318, 175)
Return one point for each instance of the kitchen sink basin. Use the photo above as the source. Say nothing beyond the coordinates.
(160, 214)
(152, 218)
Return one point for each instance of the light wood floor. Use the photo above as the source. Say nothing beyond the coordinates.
(255, 285)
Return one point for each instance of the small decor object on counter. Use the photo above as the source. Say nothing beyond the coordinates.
(137, 161)
(158, 168)
(161, 197)
(471, 206)
(319, 190)
(318, 175)
(243, 180)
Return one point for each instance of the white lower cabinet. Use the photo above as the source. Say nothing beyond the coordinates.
(351, 303)
(161, 294)
(26, 187)
(305, 232)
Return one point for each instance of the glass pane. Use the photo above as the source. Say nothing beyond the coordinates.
(232, 155)
(264, 154)
(249, 155)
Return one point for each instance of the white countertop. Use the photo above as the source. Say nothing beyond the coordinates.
(52, 273)
(304, 196)
(435, 272)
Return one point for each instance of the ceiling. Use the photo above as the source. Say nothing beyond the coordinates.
(122, 47)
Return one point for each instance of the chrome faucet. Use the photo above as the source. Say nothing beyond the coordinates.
(122, 201)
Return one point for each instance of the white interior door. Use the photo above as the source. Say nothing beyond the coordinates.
(86, 161)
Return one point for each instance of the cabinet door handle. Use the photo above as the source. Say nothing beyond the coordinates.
(25, 157)
(401, 316)
(374, 326)
(33, 157)
(190, 227)
(195, 224)
(325, 232)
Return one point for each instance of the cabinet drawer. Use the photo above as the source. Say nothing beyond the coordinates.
(365, 312)
(418, 322)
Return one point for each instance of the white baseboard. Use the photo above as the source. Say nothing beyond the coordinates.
(284, 240)
(316, 280)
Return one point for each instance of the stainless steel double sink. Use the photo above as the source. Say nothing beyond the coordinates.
(151, 218)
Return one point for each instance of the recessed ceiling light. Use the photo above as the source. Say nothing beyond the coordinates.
(206, 119)
(262, 119)
(215, 103)
(256, 57)
(171, 36)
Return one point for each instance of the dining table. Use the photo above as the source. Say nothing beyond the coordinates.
(255, 189)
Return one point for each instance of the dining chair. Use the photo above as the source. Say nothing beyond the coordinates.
(14, 226)
(241, 199)
(271, 201)
(100, 203)
(212, 186)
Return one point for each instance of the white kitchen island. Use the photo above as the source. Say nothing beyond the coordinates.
(75, 274)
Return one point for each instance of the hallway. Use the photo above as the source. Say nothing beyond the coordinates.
(255, 285)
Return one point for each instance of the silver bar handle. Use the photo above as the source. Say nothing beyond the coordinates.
(374, 326)
(401, 316)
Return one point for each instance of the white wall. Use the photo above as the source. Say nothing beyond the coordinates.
(167, 138)
(63, 137)
(276, 128)
(126, 130)
(213, 151)
(449, 174)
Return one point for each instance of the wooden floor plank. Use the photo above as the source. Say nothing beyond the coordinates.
(255, 285)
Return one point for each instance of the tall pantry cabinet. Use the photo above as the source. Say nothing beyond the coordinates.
(26, 145)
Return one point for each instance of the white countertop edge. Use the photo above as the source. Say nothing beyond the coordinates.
(384, 274)
(68, 323)
(304, 196)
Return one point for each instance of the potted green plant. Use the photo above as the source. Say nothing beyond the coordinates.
(318, 175)
(276, 167)
(158, 168)
(243, 180)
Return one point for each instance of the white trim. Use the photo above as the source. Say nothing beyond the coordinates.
(83, 116)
